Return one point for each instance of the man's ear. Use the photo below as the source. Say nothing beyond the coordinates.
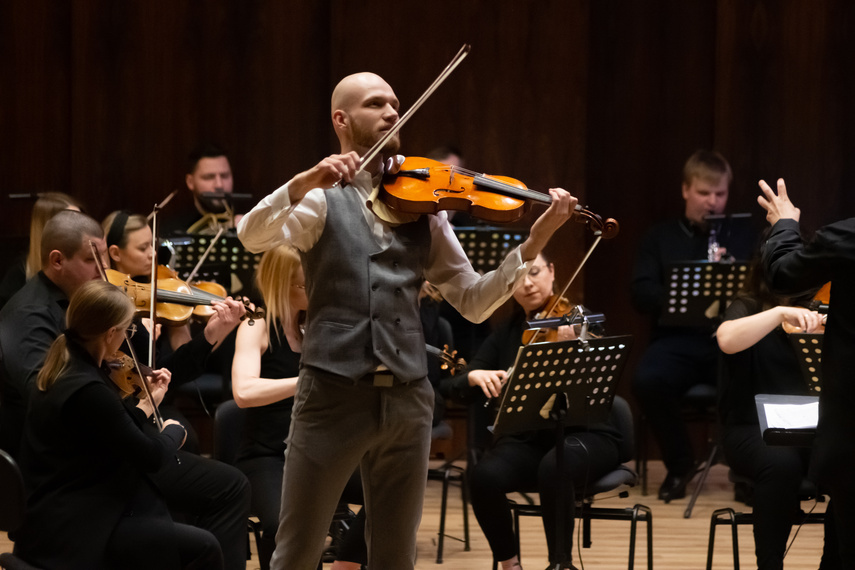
(188, 181)
(55, 259)
(340, 119)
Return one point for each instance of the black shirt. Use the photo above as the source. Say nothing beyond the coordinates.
(771, 366)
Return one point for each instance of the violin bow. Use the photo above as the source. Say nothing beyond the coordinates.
(158, 419)
(153, 297)
(378, 146)
(162, 204)
(570, 282)
(204, 256)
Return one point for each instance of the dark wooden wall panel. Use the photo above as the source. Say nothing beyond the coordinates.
(104, 98)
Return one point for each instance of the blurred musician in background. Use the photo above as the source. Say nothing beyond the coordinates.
(679, 358)
(47, 204)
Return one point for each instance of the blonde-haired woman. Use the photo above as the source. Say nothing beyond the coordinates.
(264, 380)
(84, 456)
(30, 263)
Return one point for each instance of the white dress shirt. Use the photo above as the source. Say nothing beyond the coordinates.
(276, 221)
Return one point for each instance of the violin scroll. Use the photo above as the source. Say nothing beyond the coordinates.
(607, 228)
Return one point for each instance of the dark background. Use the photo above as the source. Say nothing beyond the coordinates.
(103, 99)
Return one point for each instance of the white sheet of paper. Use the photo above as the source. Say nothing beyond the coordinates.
(792, 416)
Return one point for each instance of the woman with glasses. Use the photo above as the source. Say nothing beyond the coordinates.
(526, 461)
(85, 457)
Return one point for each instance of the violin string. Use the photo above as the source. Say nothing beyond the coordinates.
(500, 186)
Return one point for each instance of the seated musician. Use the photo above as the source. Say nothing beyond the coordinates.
(208, 173)
(264, 380)
(760, 360)
(30, 262)
(129, 247)
(527, 460)
(207, 493)
(84, 456)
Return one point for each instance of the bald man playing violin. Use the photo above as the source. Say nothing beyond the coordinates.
(794, 266)
(363, 398)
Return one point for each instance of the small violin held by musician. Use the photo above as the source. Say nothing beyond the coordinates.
(545, 325)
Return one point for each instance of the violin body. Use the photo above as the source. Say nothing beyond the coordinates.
(175, 314)
(425, 186)
(556, 307)
(123, 373)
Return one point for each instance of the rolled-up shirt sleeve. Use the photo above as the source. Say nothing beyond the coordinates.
(276, 221)
(475, 296)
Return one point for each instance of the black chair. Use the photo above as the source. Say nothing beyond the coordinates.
(229, 421)
(12, 506)
(621, 478)
(699, 405)
(727, 516)
(449, 473)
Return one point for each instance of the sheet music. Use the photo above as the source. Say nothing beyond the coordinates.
(792, 416)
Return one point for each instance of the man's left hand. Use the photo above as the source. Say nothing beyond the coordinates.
(777, 206)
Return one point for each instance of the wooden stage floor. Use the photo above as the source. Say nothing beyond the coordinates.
(678, 543)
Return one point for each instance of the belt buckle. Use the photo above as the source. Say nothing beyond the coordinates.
(383, 379)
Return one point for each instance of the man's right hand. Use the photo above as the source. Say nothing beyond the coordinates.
(325, 174)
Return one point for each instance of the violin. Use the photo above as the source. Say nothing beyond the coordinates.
(124, 374)
(560, 312)
(176, 299)
(208, 290)
(448, 358)
(557, 307)
(425, 186)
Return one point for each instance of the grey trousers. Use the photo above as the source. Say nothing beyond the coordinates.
(337, 425)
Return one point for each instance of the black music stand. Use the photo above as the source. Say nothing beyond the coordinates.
(559, 384)
(808, 347)
(698, 291)
(229, 264)
(487, 246)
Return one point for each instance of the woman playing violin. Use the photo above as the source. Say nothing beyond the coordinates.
(527, 460)
(264, 380)
(129, 246)
(759, 359)
(84, 457)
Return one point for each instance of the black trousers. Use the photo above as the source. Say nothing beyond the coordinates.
(777, 472)
(156, 542)
(669, 367)
(265, 478)
(210, 495)
(528, 464)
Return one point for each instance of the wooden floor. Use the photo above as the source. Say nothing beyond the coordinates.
(678, 543)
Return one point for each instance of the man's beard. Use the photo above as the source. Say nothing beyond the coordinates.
(366, 140)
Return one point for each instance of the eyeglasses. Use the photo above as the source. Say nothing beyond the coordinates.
(132, 330)
(535, 270)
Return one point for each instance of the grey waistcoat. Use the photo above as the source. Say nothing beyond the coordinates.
(363, 300)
